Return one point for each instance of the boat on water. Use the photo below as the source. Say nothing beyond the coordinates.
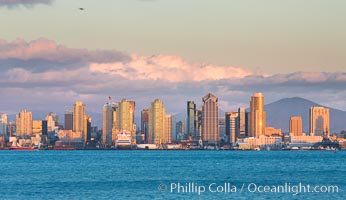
(23, 148)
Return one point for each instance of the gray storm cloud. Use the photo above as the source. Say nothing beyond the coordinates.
(26, 3)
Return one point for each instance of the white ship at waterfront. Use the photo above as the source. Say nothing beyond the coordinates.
(123, 141)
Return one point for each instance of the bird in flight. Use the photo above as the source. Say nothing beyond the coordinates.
(81, 8)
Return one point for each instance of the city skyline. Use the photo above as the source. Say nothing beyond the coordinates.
(136, 114)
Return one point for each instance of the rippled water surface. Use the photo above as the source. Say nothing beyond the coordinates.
(157, 174)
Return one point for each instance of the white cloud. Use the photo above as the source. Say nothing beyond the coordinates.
(169, 68)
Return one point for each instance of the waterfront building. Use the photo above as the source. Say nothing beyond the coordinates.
(68, 120)
(44, 127)
(319, 121)
(37, 127)
(157, 116)
(180, 130)
(222, 130)
(257, 116)
(125, 118)
(87, 129)
(24, 123)
(232, 126)
(242, 123)
(167, 137)
(50, 122)
(79, 118)
(3, 124)
(271, 131)
(210, 119)
(191, 119)
(145, 124)
(296, 125)
(305, 139)
(198, 123)
(108, 122)
(262, 141)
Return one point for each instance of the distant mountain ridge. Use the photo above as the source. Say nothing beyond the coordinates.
(279, 113)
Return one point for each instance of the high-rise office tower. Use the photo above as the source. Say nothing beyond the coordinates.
(210, 119)
(191, 119)
(257, 116)
(68, 120)
(108, 122)
(125, 117)
(24, 123)
(144, 123)
(87, 129)
(3, 124)
(198, 123)
(167, 136)
(319, 121)
(156, 127)
(241, 133)
(179, 130)
(50, 122)
(296, 125)
(79, 118)
(44, 127)
(222, 128)
(232, 126)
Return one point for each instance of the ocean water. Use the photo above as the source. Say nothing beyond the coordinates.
(158, 174)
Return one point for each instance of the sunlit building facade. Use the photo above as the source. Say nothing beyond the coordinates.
(296, 126)
(79, 118)
(167, 137)
(24, 123)
(108, 122)
(231, 126)
(319, 121)
(257, 116)
(210, 119)
(157, 115)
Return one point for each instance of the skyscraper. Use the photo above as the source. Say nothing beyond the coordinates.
(157, 116)
(68, 120)
(210, 119)
(50, 122)
(191, 119)
(125, 117)
(87, 129)
(232, 126)
(179, 130)
(198, 123)
(319, 121)
(296, 126)
(241, 133)
(145, 123)
(108, 122)
(79, 118)
(3, 124)
(167, 136)
(257, 116)
(24, 123)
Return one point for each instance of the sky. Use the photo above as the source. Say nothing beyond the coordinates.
(52, 53)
